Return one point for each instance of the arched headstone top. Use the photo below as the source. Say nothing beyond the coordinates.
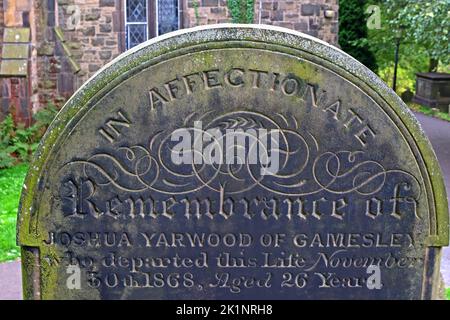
(355, 171)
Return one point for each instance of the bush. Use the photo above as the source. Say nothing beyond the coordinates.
(18, 143)
(406, 78)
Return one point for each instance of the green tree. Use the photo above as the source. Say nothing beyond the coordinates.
(382, 42)
(423, 40)
(353, 32)
(426, 24)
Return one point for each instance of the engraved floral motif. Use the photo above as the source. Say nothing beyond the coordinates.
(304, 168)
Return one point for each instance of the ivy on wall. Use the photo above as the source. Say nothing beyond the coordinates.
(242, 11)
(196, 12)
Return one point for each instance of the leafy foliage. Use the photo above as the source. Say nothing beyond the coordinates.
(426, 24)
(7, 147)
(353, 32)
(242, 11)
(196, 12)
(417, 40)
(18, 143)
(11, 181)
(406, 74)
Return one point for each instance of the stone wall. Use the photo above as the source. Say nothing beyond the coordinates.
(318, 18)
(201, 12)
(72, 39)
(16, 18)
(75, 38)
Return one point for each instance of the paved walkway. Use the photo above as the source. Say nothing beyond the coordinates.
(10, 281)
(438, 132)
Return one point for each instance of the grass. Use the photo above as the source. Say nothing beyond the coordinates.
(429, 112)
(11, 181)
(447, 291)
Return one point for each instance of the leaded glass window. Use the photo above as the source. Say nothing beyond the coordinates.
(149, 18)
(137, 11)
(167, 16)
(136, 22)
(137, 33)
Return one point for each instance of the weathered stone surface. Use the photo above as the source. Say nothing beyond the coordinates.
(93, 67)
(16, 35)
(46, 49)
(14, 67)
(76, 16)
(309, 9)
(295, 15)
(105, 28)
(92, 16)
(219, 10)
(358, 184)
(89, 31)
(105, 55)
(107, 3)
(74, 45)
(47, 84)
(96, 42)
(15, 51)
(210, 3)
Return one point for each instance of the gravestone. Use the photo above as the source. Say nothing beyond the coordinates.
(133, 195)
(433, 90)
